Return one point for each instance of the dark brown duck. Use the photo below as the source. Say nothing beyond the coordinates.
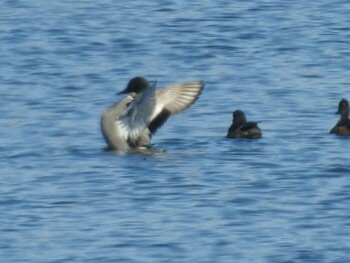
(342, 128)
(241, 128)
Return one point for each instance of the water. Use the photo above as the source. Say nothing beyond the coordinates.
(196, 197)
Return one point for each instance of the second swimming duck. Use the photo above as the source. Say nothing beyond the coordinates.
(342, 127)
(241, 128)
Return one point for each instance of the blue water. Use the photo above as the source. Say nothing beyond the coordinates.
(196, 197)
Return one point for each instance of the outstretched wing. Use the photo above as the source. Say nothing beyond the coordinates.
(172, 100)
(177, 97)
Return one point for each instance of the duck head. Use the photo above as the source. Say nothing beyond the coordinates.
(239, 116)
(343, 108)
(136, 85)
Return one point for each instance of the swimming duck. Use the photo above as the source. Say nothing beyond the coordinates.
(241, 128)
(342, 127)
(131, 121)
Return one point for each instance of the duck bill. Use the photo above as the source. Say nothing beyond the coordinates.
(124, 91)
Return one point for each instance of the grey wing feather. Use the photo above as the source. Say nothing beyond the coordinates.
(172, 100)
(177, 97)
(135, 120)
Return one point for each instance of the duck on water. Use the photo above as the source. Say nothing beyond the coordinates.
(131, 121)
(342, 128)
(241, 128)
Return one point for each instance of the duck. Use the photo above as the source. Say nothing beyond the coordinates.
(342, 128)
(241, 128)
(131, 122)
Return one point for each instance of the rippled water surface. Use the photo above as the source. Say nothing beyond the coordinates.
(196, 196)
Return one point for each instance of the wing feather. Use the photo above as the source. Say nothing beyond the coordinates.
(177, 97)
(172, 100)
(136, 118)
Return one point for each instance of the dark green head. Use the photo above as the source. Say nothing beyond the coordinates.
(136, 85)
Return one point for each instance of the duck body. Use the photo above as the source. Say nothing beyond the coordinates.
(131, 121)
(342, 127)
(241, 128)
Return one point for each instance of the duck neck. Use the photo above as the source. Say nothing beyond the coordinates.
(132, 95)
(344, 115)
